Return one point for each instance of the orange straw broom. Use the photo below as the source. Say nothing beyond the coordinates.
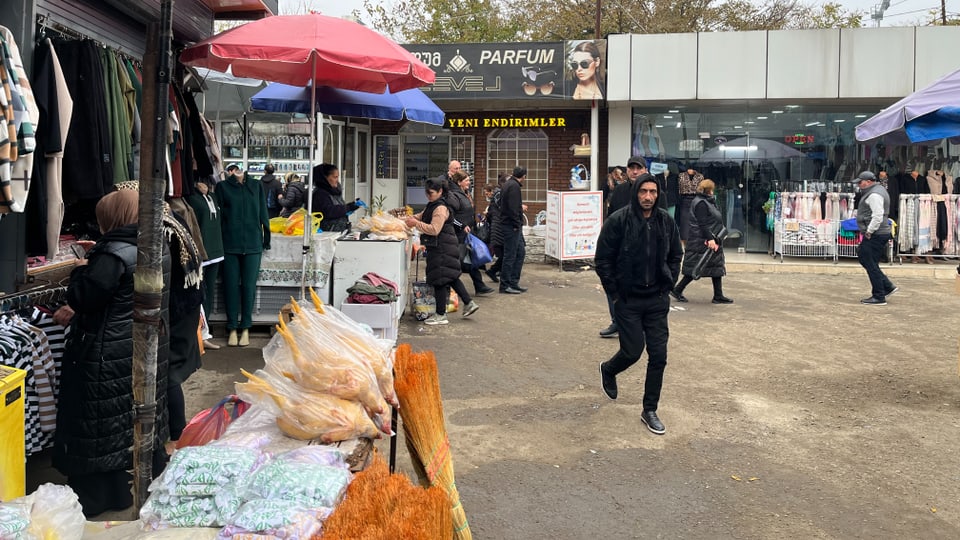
(421, 409)
(383, 506)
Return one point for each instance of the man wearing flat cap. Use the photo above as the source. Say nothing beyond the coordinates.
(872, 214)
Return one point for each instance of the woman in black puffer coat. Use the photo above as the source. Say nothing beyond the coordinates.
(706, 222)
(438, 235)
(94, 437)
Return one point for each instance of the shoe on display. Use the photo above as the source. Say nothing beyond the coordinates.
(678, 296)
(232, 340)
(510, 290)
(609, 332)
(873, 301)
(652, 421)
(435, 319)
(207, 344)
(721, 300)
(244, 337)
(893, 290)
(608, 383)
(484, 291)
(471, 308)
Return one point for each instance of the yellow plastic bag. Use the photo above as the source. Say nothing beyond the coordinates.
(277, 224)
(294, 223)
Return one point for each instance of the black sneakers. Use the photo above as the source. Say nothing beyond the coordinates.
(484, 291)
(653, 423)
(679, 297)
(721, 300)
(893, 290)
(873, 301)
(609, 332)
(608, 382)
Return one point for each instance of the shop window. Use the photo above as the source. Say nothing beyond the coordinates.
(386, 156)
(507, 148)
(461, 149)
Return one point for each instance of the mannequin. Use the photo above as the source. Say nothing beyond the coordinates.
(688, 182)
(245, 229)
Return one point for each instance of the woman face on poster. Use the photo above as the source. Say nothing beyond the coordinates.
(584, 63)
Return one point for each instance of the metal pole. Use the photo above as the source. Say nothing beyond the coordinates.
(308, 221)
(148, 276)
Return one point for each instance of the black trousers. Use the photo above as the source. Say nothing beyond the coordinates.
(442, 295)
(642, 322)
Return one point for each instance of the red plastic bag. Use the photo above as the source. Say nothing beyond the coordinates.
(209, 424)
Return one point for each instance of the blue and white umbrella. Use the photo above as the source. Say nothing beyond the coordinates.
(929, 114)
(412, 104)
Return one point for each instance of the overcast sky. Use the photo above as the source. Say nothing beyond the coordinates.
(900, 13)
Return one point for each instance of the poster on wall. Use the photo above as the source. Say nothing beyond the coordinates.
(574, 220)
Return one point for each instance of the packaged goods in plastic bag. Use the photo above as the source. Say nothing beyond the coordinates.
(328, 456)
(307, 415)
(294, 223)
(262, 519)
(384, 227)
(14, 520)
(307, 483)
(56, 513)
(200, 487)
(377, 353)
(317, 361)
(209, 424)
(52, 512)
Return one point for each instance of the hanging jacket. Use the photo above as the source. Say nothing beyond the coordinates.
(245, 226)
(705, 222)
(95, 411)
(638, 256)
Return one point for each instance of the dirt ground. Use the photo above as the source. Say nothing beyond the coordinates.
(794, 413)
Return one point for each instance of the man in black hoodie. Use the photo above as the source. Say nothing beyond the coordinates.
(638, 262)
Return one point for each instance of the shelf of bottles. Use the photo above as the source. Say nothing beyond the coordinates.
(268, 143)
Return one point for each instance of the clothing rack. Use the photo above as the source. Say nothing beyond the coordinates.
(45, 24)
(38, 295)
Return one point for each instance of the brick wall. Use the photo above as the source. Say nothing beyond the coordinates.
(560, 141)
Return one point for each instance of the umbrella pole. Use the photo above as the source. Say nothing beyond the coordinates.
(308, 221)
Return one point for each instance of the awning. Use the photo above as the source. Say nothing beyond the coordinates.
(242, 9)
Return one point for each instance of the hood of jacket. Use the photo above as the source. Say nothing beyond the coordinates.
(126, 234)
(323, 185)
(635, 190)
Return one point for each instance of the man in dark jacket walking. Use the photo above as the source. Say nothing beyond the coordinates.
(272, 189)
(511, 225)
(638, 262)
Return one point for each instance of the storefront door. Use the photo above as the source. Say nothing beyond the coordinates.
(355, 173)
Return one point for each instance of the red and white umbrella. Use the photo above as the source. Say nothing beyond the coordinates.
(313, 50)
(298, 49)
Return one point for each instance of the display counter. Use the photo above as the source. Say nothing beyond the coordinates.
(280, 271)
(391, 260)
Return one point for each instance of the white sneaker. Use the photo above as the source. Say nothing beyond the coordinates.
(471, 308)
(435, 319)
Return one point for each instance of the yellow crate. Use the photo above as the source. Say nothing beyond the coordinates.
(12, 457)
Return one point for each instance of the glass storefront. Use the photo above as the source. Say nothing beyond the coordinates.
(751, 151)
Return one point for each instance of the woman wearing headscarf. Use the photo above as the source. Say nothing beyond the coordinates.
(95, 416)
(706, 223)
(328, 198)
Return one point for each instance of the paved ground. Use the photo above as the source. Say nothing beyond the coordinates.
(794, 413)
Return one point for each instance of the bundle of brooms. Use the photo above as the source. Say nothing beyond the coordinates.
(383, 506)
(421, 409)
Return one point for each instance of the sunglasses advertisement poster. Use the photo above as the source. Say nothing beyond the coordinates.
(536, 70)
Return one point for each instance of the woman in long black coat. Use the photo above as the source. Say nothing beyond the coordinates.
(706, 223)
(438, 235)
(95, 416)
